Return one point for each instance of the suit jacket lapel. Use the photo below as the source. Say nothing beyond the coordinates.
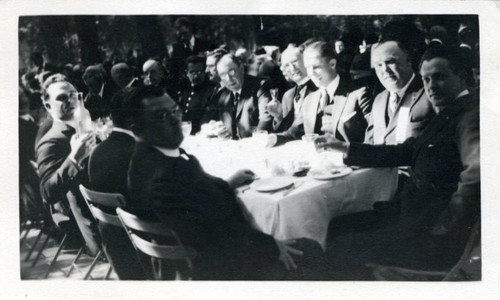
(310, 111)
(288, 102)
(339, 105)
(410, 97)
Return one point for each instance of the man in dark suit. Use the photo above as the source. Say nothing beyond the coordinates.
(108, 169)
(441, 201)
(289, 110)
(201, 208)
(337, 107)
(62, 158)
(100, 92)
(402, 109)
(187, 44)
(242, 105)
(211, 109)
(195, 99)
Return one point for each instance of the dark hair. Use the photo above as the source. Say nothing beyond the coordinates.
(182, 21)
(323, 48)
(49, 81)
(408, 37)
(195, 59)
(121, 107)
(456, 60)
(139, 94)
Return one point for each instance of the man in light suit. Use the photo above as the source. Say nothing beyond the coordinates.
(337, 107)
(289, 110)
(242, 106)
(402, 109)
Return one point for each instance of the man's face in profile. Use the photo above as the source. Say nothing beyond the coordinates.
(153, 73)
(161, 122)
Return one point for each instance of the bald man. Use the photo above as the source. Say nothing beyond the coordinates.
(122, 75)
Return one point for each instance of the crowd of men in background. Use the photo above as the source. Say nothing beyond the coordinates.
(314, 87)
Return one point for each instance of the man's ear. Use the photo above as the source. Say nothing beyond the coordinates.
(46, 105)
(333, 63)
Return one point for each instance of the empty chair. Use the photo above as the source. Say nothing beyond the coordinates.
(159, 242)
(115, 242)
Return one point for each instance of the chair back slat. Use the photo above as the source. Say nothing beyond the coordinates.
(152, 247)
(105, 217)
(162, 251)
(105, 199)
(135, 223)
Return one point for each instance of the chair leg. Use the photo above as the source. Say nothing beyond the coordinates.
(34, 244)
(109, 272)
(26, 233)
(56, 256)
(94, 262)
(41, 250)
(80, 251)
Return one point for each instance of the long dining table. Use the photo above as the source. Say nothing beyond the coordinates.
(305, 208)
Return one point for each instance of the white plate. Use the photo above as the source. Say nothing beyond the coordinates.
(272, 184)
(327, 175)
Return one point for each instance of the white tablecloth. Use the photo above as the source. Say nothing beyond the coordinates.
(305, 211)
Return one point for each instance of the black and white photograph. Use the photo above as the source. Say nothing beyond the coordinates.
(268, 148)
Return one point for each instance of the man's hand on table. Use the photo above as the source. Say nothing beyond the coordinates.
(285, 253)
(240, 178)
(327, 141)
(224, 133)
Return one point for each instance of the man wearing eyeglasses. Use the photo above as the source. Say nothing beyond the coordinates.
(242, 106)
(194, 99)
(62, 160)
(201, 208)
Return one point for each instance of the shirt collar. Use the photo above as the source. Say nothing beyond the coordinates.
(131, 82)
(27, 117)
(303, 81)
(463, 93)
(465, 46)
(237, 92)
(191, 42)
(122, 130)
(332, 87)
(402, 92)
(101, 92)
(437, 40)
(169, 152)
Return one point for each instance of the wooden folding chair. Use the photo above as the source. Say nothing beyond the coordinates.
(95, 200)
(160, 243)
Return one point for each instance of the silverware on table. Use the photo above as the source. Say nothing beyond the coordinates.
(293, 187)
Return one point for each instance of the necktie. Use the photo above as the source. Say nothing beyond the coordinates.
(325, 100)
(236, 98)
(393, 104)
